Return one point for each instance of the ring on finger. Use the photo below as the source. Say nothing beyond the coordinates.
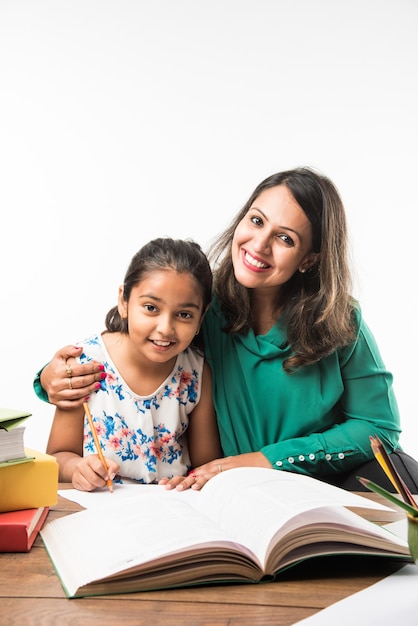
(220, 467)
(70, 385)
(69, 371)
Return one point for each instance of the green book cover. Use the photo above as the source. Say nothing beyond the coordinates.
(10, 418)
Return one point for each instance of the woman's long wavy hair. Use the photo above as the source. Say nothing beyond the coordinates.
(183, 256)
(317, 307)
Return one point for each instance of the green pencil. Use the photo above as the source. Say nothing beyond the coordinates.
(389, 496)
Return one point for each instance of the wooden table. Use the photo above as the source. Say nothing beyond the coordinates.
(31, 593)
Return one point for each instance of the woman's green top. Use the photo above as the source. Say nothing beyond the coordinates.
(316, 421)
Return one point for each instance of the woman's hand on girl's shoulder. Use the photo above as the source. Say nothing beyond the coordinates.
(67, 382)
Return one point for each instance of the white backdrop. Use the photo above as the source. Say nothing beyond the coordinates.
(121, 120)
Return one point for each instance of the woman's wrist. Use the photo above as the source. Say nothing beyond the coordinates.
(37, 386)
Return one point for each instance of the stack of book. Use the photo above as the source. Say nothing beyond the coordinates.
(28, 484)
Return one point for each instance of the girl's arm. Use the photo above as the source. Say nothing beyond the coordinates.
(65, 443)
(203, 435)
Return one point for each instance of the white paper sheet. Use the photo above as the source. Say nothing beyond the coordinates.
(102, 497)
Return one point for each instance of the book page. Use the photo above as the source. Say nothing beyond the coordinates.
(97, 543)
(103, 497)
(242, 499)
(245, 499)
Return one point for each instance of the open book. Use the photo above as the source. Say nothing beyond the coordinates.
(245, 525)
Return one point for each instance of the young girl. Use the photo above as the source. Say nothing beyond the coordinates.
(154, 401)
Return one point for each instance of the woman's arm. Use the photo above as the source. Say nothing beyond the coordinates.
(367, 407)
(68, 388)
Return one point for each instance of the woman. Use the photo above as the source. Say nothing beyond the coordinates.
(298, 380)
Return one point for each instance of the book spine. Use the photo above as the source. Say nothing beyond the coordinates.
(15, 539)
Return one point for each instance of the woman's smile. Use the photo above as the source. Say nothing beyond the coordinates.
(254, 262)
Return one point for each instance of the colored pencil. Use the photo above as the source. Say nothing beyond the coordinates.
(390, 470)
(98, 446)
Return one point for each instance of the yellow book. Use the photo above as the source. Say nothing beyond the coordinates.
(29, 485)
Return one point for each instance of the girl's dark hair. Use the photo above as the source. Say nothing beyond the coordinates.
(317, 306)
(183, 256)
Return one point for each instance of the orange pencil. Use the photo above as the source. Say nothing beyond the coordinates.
(98, 446)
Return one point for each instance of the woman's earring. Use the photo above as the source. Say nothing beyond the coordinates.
(302, 270)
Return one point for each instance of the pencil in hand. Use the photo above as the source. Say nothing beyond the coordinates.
(98, 446)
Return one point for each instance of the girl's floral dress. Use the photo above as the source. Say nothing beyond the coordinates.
(145, 435)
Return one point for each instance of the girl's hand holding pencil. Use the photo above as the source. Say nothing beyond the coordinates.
(98, 446)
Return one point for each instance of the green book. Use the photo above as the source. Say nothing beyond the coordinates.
(12, 430)
(10, 418)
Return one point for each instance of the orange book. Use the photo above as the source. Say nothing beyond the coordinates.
(19, 529)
